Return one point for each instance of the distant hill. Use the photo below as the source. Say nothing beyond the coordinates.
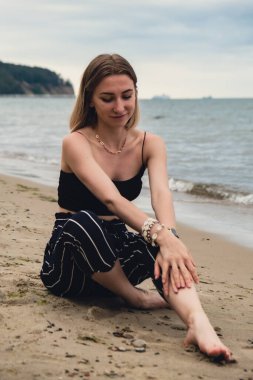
(25, 80)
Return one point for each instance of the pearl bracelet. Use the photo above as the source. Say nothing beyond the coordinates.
(146, 228)
(155, 234)
(146, 231)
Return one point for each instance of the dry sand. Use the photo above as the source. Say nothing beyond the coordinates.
(45, 337)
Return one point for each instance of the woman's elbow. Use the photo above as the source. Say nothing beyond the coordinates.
(112, 202)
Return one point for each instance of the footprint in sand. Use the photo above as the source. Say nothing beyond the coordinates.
(2, 296)
(97, 313)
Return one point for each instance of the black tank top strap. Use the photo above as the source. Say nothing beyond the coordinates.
(142, 158)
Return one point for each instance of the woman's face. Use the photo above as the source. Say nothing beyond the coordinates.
(114, 100)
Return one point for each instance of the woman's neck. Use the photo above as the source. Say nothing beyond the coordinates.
(112, 138)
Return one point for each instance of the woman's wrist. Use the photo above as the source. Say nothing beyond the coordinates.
(163, 236)
(151, 231)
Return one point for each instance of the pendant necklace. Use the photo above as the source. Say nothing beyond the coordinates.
(107, 149)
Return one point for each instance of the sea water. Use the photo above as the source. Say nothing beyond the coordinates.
(209, 145)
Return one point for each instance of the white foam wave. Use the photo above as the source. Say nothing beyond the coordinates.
(180, 185)
(211, 191)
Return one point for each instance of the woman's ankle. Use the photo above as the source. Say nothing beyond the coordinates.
(194, 317)
(146, 299)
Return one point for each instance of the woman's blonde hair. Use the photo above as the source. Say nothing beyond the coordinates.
(100, 67)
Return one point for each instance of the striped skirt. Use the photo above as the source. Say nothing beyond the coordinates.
(82, 244)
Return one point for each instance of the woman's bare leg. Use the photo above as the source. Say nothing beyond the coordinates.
(187, 305)
(116, 281)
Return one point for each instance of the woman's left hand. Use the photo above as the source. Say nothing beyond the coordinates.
(175, 264)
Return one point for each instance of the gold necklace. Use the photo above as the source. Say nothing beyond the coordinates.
(107, 149)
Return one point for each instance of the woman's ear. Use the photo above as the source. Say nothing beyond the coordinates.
(91, 104)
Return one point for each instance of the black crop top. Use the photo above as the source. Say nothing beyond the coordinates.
(75, 196)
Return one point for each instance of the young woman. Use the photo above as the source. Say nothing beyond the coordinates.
(91, 252)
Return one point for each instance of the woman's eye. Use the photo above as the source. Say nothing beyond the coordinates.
(107, 100)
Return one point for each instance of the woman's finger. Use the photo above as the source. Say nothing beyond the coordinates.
(192, 269)
(173, 285)
(191, 259)
(182, 281)
(186, 275)
(175, 274)
(157, 271)
(165, 277)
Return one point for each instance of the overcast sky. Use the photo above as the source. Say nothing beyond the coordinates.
(182, 48)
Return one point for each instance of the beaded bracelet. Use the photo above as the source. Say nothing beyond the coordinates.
(155, 234)
(146, 231)
(146, 228)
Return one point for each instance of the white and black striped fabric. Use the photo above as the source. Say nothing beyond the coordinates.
(82, 244)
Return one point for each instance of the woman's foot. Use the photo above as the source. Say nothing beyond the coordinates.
(146, 299)
(202, 334)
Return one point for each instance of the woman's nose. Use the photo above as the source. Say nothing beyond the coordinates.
(118, 106)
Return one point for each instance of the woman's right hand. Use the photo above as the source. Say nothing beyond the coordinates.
(174, 263)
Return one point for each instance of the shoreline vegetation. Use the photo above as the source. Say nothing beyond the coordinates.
(46, 337)
(26, 80)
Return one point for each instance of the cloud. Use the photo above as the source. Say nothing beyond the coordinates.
(176, 34)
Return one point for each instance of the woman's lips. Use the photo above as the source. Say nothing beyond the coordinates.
(119, 116)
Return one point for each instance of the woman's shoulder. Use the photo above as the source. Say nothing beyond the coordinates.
(75, 143)
(151, 139)
(153, 145)
(146, 135)
(82, 135)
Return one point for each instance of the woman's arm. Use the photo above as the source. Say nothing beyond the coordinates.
(161, 197)
(174, 256)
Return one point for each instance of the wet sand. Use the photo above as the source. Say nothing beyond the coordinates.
(45, 337)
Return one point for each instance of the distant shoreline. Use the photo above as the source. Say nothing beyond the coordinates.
(25, 80)
(37, 95)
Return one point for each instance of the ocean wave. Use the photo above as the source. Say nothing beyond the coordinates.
(213, 191)
(28, 157)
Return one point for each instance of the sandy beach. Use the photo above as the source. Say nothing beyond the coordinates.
(45, 337)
